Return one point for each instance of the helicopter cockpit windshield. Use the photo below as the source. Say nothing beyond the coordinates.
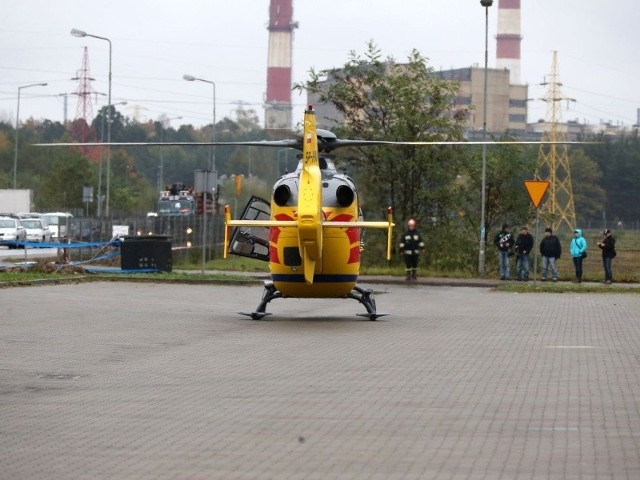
(326, 163)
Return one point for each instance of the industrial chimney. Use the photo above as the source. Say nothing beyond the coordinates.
(509, 38)
(277, 111)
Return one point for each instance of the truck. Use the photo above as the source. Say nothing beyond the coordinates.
(15, 201)
(177, 201)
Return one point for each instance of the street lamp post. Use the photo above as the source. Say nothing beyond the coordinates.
(80, 34)
(191, 78)
(161, 172)
(15, 157)
(483, 234)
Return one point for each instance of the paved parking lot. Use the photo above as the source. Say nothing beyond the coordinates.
(149, 381)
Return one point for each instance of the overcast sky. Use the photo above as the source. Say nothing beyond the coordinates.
(156, 42)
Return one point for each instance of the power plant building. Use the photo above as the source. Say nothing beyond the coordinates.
(506, 103)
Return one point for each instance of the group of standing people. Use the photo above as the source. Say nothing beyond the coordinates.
(550, 251)
(412, 244)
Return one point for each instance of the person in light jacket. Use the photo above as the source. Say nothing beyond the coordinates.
(578, 249)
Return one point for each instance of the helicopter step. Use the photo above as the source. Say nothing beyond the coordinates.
(364, 296)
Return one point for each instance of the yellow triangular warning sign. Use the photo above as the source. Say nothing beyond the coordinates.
(536, 190)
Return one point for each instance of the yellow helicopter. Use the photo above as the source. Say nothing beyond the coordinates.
(311, 231)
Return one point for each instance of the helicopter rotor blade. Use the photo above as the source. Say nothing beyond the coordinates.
(338, 143)
(291, 143)
(327, 142)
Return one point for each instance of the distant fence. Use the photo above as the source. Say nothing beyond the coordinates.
(185, 232)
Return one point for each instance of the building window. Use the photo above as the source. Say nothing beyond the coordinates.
(517, 103)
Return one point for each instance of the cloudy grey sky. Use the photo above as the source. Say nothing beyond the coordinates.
(156, 42)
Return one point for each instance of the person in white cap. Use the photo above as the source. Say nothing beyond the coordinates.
(411, 244)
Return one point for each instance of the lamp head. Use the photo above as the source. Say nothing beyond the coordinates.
(78, 33)
(486, 3)
(188, 78)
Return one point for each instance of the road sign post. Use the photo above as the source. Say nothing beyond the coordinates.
(536, 190)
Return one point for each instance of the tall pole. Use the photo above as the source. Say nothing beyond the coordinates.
(191, 78)
(109, 122)
(483, 234)
(80, 33)
(15, 156)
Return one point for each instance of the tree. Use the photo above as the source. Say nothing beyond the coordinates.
(619, 161)
(589, 197)
(380, 99)
(130, 191)
(61, 188)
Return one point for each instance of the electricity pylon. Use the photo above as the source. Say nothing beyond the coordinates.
(553, 161)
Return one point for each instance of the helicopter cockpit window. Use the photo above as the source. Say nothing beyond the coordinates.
(325, 163)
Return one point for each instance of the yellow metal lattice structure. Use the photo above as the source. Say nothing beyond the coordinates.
(553, 160)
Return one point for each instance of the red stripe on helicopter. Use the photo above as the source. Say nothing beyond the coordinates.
(274, 234)
(273, 254)
(354, 255)
(352, 233)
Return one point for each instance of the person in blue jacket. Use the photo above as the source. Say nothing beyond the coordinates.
(578, 249)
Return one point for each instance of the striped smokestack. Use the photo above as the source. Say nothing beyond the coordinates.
(509, 38)
(278, 101)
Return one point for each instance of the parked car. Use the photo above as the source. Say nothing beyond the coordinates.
(59, 224)
(37, 230)
(11, 232)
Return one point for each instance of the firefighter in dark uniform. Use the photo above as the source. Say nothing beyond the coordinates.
(411, 245)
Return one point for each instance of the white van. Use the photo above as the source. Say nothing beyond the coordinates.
(59, 224)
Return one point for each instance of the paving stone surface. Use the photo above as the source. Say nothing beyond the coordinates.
(156, 381)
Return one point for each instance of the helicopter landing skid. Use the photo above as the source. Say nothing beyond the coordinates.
(365, 297)
(270, 292)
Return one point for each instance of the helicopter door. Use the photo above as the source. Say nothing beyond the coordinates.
(252, 242)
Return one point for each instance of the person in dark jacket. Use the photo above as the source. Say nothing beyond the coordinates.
(550, 251)
(411, 244)
(503, 241)
(523, 247)
(608, 247)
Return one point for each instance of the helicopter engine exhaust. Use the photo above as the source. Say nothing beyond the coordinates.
(345, 195)
(281, 195)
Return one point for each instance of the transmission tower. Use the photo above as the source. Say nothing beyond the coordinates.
(553, 161)
(84, 110)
